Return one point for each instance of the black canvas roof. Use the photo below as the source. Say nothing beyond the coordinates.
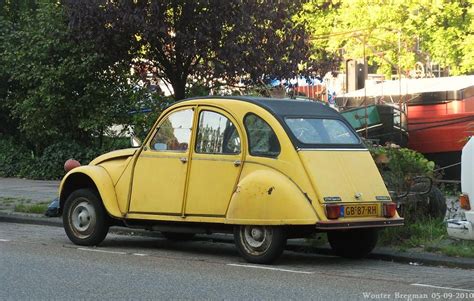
(286, 107)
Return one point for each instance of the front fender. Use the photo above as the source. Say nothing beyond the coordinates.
(94, 177)
(267, 197)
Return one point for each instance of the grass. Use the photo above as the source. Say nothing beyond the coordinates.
(427, 235)
(23, 205)
(461, 248)
(36, 208)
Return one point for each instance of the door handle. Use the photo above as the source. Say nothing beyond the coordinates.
(237, 163)
(183, 160)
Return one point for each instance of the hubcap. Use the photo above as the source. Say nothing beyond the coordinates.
(256, 237)
(83, 218)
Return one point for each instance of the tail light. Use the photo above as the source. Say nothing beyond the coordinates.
(333, 211)
(464, 202)
(389, 209)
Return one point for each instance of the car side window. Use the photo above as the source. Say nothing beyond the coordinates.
(174, 133)
(216, 134)
(262, 139)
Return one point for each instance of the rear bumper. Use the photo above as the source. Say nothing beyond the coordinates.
(338, 225)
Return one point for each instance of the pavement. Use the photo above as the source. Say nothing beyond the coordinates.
(33, 192)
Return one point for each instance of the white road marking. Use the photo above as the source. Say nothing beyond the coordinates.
(268, 268)
(442, 287)
(139, 254)
(4, 240)
(102, 251)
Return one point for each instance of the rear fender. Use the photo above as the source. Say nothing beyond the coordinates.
(267, 197)
(93, 177)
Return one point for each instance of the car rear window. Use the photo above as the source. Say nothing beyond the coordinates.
(321, 131)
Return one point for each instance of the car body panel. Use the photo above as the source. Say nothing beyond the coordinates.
(103, 183)
(214, 176)
(350, 175)
(287, 189)
(265, 196)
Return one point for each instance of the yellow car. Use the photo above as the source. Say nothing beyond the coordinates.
(263, 169)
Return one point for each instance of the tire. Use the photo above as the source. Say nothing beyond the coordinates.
(178, 236)
(356, 243)
(85, 219)
(437, 203)
(260, 244)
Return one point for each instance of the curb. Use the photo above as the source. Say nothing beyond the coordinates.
(296, 245)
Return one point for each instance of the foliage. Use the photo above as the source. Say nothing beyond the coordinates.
(58, 89)
(13, 158)
(208, 40)
(407, 175)
(424, 30)
(17, 161)
(415, 234)
(401, 166)
(319, 16)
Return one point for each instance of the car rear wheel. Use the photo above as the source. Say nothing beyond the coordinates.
(85, 219)
(260, 244)
(355, 243)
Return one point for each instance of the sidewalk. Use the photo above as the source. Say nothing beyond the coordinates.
(33, 190)
(41, 191)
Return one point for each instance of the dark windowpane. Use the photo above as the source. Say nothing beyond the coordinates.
(262, 139)
(321, 131)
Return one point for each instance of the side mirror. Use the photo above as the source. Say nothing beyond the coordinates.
(135, 142)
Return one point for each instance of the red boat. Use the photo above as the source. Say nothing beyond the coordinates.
(440, 114)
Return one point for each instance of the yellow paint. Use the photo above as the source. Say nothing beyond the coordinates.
(344, 174)
(104, 185)
(264, 196)
(158, 182)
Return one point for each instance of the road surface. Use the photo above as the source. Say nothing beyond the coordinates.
(39, 262)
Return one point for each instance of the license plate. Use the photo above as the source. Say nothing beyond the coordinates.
(359, 210)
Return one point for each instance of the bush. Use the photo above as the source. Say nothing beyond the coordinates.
(17, 161)
(399, 167)
(13, 158)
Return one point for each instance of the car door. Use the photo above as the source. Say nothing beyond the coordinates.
(215, 166)
(159, 177)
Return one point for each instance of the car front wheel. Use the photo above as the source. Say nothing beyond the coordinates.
(355, 243)
(84, 218)
(260, 244)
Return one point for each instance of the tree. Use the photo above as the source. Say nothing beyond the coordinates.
(396, 33)
(10, 12)
(206, 40)
(57, 89)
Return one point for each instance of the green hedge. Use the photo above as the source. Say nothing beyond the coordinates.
(17, 161)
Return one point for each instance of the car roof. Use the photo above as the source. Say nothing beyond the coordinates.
(283, 107)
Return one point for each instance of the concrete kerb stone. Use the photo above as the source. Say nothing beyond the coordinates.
(295, 245)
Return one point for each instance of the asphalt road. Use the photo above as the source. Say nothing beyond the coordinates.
(39, 262)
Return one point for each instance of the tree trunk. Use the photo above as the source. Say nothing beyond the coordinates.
(179, 87)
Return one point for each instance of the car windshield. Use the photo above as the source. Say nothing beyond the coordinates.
(321, 131)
